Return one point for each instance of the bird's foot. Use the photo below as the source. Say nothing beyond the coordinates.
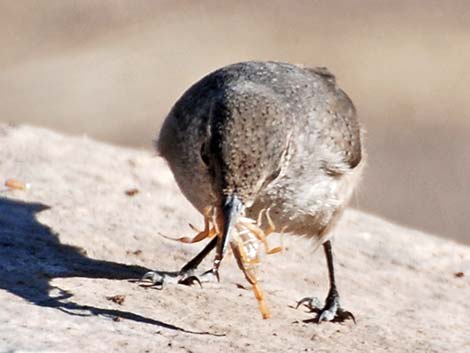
(159, 279)
(331, 311)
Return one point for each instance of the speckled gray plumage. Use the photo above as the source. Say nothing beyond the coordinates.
(275, 134)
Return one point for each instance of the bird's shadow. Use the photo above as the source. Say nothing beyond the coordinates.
(31, 255)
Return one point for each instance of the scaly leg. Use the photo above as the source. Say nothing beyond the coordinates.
(213, 220)
(185, 275)
(192, 265)
(332, 310)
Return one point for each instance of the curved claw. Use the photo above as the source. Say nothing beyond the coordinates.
(339, 315)
(214, 272)
(151, 279)
(190, 280)
(332, 311)
(310, 302)
(159, 279)
(187, 278)
(208, 273)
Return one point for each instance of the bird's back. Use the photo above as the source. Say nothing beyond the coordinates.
(278, 132)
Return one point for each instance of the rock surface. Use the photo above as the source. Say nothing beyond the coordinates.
(76, 239)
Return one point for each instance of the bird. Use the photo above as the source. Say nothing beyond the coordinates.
(260, 135)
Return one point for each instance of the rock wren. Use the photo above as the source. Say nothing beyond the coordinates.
(267, 135)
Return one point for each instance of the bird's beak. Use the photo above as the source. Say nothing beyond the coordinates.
(231, 209)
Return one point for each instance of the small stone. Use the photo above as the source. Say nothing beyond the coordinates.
(132, 192)
(118, 299)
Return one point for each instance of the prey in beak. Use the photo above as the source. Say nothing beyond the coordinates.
(226, 226)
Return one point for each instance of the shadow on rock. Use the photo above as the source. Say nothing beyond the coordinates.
(31, 255)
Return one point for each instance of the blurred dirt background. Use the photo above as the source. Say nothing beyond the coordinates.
(111, 69)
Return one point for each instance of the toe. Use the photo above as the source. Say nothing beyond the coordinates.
(326, 315)
(152, 278)
(190, 280)
(312, 303)
(335, 315)
(330, 311)
(343, 315)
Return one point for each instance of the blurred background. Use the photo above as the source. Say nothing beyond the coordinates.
(111, 69)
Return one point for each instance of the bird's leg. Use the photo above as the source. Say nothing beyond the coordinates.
(196, 261)
(332, 310)
(212, 227)
(186, 274)
(216, 223)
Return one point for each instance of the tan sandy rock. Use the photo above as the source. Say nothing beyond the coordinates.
(77, 237)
